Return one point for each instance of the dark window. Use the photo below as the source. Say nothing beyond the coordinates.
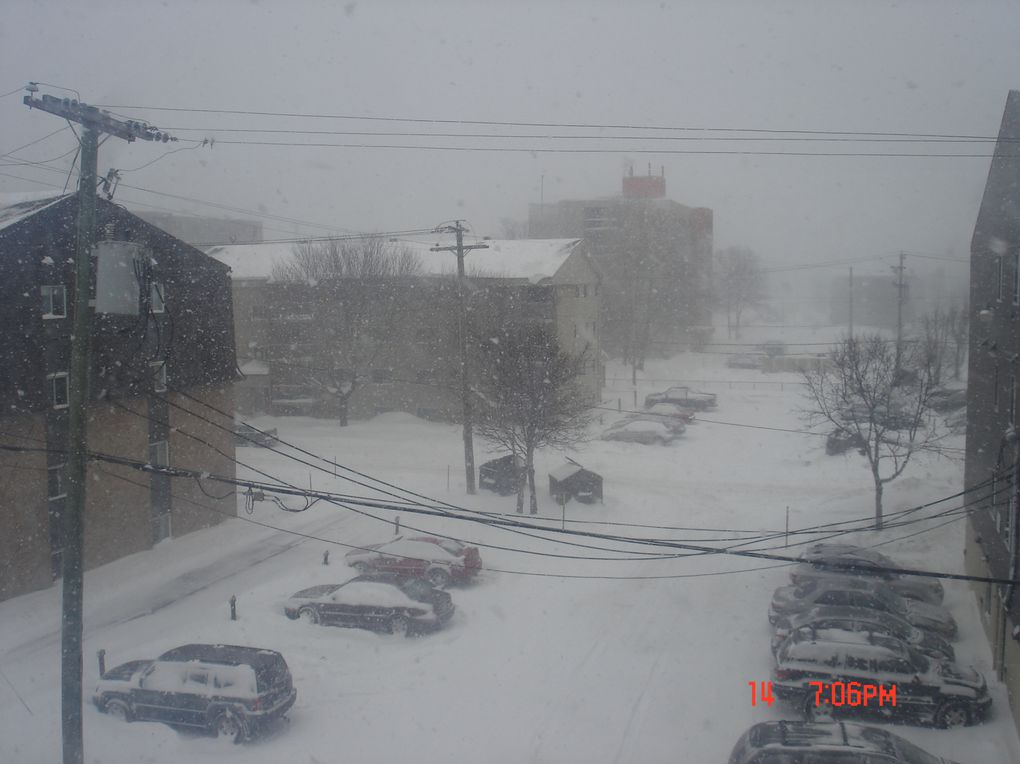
(159, 454)
(382, 375)
(158, 369)
(58, 389)
(56, 483)
(54, 301)
(857, 664)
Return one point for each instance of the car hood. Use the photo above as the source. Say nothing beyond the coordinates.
(921, 613)
(785, 598)
(963, 676)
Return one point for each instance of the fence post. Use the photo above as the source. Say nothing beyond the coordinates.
(325, 557)
(233, 607)
(101, 655)
(786, 542)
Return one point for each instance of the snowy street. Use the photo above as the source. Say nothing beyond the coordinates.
(649, 663)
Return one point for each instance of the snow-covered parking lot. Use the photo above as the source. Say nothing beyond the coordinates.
(550, 657)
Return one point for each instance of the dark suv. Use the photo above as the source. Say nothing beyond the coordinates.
(887, 680)
(229, 691)
(800, 743)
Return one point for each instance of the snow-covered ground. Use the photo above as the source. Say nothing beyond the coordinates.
(548, 658)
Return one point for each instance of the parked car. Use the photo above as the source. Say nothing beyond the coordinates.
(417, 558)
(828, 549)
(246, 435)
(923, 589)
(230, 691)
(808, 673)
(499, 475)
(676, 424)
(946, 401)
(774, 348)
(856, 619)
(840, 441)
(684, 396)
(855, 592)
(673, 411)
(842, 743)
(745, 361)
(378, 601)
(649, 433)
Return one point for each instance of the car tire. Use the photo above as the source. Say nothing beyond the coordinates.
(360, 568)
(228, 726)
(951, 715)
(438, 577)
(816, 713)
(400, 626)
(118, 709)
(308, 615)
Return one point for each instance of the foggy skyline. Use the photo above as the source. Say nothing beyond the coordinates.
(915, 67)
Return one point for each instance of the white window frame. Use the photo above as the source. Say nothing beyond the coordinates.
(157, 297)
(159, 453)
(60, 471)
(52, 379)
(48, 292)
(158, 369)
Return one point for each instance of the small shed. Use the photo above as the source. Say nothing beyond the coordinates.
(572, 481)
(498, 475)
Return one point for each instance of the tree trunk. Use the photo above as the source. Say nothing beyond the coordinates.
(878, 502)
(343, 411)
(531, 479)
(518, 483)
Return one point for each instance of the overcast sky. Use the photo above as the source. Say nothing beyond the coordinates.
(913, 67)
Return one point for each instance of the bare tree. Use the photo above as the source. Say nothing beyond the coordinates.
(531, 397)
(740, 284)
(857, 392)
(358, 287)
(937, 330)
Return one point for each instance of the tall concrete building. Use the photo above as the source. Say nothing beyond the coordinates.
(655, 255)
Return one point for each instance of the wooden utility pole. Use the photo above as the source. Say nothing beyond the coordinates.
(901, 286)
(465, 393)
(93, 122)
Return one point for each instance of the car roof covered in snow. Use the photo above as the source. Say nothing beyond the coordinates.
(231, 655)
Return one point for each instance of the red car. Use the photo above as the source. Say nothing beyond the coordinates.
(439, 561)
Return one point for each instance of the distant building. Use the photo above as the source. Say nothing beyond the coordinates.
(993, 447)
(204, 232)
(655, 256)
(162, 365)
(291, 329)
(875, 300)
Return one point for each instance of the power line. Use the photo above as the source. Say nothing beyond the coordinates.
(577, 125)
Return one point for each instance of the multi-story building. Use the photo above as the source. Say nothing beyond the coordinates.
(404, 353)
(162, 368)
(655, 256)
(993, 447)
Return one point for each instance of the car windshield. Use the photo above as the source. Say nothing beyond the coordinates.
(588, 335)
(911, 754)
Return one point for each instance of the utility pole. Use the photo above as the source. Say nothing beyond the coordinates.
(465, 393)
(93, 122)
(851, 302)
(901, 286)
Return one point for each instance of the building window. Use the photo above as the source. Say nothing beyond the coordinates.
(57, 481)
(382, 375)
(58, 389)
(158, 374)
(995, 387)
(1016, 277)
(54, 301)
(1002, 276)
(159, 454)
(157, 292)
(584, 290)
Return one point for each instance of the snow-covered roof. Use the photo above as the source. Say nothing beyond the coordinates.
(16, 206)
(532, 259)
(252, 261)
(564, 471)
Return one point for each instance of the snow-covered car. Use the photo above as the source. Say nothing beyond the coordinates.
(676, 424)
(438, 561)
(813, 676)
(683, 396)
(745, 361)
(829, 549)
(834, 567)
(945, 400)
(246, 435)
(856, 619)
(856, 592)
(228, 690)
(841, 743)
(381, 602)
(673, 411)
(649, 433)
